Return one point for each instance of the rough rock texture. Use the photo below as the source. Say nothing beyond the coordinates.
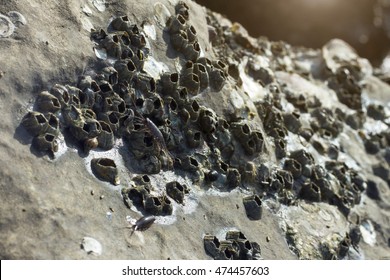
(276, 92)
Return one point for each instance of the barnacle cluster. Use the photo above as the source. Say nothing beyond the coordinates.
(235, 247)
(292, 155)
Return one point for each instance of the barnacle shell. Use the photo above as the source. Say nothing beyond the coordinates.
(106, 136)
(126, 70)
(217, 79)
(169, 83)
(280, 148)
(294, 167)
(47, 102)
(45, 143)
(61, 93)
(191, 82)
(194, 138)
(35, 123)
(201, 71)
(182, 9)
(121, 23)
(191, 34)
(233, 178)
(153, 205)
(311, 191)
(105, 169)
(110, 74)
(253, 207)
(235, 235)
(211, 245)
(88, 129)
(176, 191)
(191, 51)
(176, 23)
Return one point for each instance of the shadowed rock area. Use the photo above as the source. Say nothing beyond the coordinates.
(228, 146)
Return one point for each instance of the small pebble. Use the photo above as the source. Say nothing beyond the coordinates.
(91, 246)
(92, 192)
(111, 209)
(268, 239)
(101, 197)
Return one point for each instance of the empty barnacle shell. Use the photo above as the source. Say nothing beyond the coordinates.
(201, 72)
(191, 34)
(153, 205)
(310, 191)
(110, 74)
(191, 51)
(150, 164)
(219, 64)
(105, 169)
(190, 163)
(120, 23)
(194, 138)
(138, 40)
(217, 79)
(211, 245)
(377, 112)
(206, 63)
(246, 250)
(253, 207)
(176, 23)
(35, 123)
(127, 52)
(169, 83)
(191, 82)
(61, 93)
(167, 207)
(280, 148)
(179, 40)
(126, 70)
(193, 110)
(287, 178)
(228, 250)
(112, 119)
(139, 59)
(98, 34)
(180, 95)
(176, 191)
(294, 167)
(106, 137)
(90, 128)
(182, 8)
(292, 122)
(112, 45)
(145, 83)
(47, 102)
(235, 235)
(344, 245)
(208, 120)
(45, 143)
(233, 178)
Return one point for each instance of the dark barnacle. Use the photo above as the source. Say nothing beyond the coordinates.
(176, 191)
(253, 207)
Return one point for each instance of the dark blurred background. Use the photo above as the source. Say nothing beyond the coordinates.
(364, 24)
